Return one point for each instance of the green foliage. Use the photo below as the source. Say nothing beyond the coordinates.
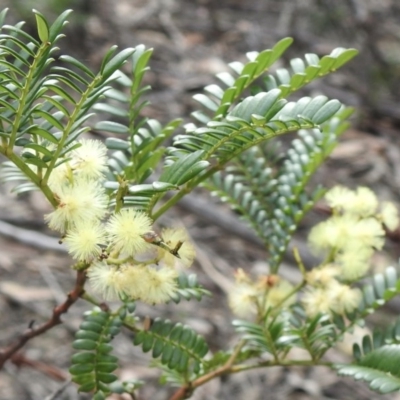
(274, 200)
(377, 357)
(278, 336)
(263, 338)
(380, 368)
(293, 329)
(305, 71)
(383, 287)
(41, 113)
(222, 100)
(92, 365)
(179, 347)
(189, 288)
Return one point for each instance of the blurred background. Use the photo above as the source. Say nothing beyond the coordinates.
(192, 41)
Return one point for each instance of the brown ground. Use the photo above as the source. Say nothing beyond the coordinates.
(193, 40)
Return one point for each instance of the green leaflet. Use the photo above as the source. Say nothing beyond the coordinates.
(177, 345)
(380, 368)
(92, 366)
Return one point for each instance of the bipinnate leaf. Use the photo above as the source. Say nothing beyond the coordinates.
(380, 368)
(92, 366)
(177, 345)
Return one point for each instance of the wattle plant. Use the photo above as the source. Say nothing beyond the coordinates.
(106, 199)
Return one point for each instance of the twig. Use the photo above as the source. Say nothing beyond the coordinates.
(30, 333)
(185, 391)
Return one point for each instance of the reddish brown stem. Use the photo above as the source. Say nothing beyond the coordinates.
(55, 319)
(186, 391)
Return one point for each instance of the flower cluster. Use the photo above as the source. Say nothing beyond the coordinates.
(82, 200)
(347, 240)
(350, 237)
(138, 267)
(137, 281)
(250, 297)
(123, 260)
(326, 294)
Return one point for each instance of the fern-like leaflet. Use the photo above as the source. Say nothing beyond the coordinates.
(42, 115)
(179, 347)
(93, 365)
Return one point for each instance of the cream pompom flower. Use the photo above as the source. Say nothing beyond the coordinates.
(148, 284)
(133, 278)
(126, 229)
(186, 252)
(85, 240)
(315, 301)
(61, 175)
(79, 202)
(90, 159)
(322, 276)
(390, 215)
(331, 234)
(278, 295)
(334, 298)
(158, 285)
(107, 280)
(338, 197)
(367, 232)
(344, 232)
(361, 203)
(364, 203)
(343, 298)
(354, 262)
(242, 299)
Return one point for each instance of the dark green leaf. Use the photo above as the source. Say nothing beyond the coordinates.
(79, 369)
(167, 353)
(57, 25)
(83, 358)
(84, 344)
(91, 326)
(110, 126)
(116, 62)
(117, 144)
(77, 64)
(104, 348)
(175, 358)
(86, 387)
(106, 377)
(50, 118)
(106, 367)
(326, 112)
(42, 27)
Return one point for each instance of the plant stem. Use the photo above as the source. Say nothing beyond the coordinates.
(183, 192)
(68, 128)
(186, 390)
(23, 167)
(55, 319)
(24, 95)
